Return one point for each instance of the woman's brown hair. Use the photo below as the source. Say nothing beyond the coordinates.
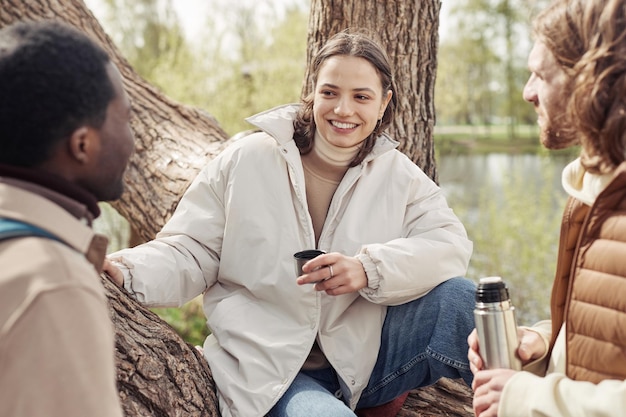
(356, 44)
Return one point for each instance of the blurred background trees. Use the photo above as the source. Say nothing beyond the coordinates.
(251, 55)
(248, 56)
(482, 63)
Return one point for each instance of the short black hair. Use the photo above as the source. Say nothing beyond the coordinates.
(53, 79)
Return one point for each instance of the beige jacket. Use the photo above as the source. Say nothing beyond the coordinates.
(586, 366)
(233, 237)
(56, 336)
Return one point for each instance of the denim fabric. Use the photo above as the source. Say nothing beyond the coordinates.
(312, 394)
(422, 341)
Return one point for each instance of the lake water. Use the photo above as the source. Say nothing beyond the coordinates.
(511, 206)
(460, 176)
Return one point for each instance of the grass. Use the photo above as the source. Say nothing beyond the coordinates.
(485, 139)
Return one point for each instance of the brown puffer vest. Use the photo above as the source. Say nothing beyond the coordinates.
(589, 291)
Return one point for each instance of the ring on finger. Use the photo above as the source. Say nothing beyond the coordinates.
(330, 268)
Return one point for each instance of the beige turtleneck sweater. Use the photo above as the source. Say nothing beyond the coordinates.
(324, 167)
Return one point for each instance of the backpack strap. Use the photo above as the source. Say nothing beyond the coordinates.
(11, 228)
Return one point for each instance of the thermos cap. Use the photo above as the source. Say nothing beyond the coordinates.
(491, 290)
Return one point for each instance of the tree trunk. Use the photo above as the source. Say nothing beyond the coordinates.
(158, 373)
(409, 31)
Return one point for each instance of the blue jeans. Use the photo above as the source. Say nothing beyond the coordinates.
(422, 341)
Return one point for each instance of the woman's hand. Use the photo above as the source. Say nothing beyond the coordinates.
(113, 273)
(334, 273)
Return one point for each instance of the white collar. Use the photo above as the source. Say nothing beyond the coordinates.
(583, 185)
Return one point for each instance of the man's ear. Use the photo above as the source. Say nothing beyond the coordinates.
(84, 144)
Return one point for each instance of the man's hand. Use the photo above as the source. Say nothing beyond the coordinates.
(530, 348)
(475, 360)
(488, 386)
(531, 345)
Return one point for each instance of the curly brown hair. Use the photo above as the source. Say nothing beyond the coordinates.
(588, 39)
(356, 44)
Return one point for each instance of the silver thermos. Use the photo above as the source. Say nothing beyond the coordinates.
(495, 323)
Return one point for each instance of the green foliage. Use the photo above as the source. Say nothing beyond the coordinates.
(264, 71)
(188, 321)
(150, 37)
(254, 61)
(112, 225)
(482, 67)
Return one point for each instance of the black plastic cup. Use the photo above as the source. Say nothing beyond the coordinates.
(303, 257)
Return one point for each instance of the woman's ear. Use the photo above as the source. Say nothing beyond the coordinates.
(384, 104)
(83, 144)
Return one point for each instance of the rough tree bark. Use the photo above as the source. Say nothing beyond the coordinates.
(409, 31)
(158, 373)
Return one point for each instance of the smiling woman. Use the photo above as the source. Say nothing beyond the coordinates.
(320, 175)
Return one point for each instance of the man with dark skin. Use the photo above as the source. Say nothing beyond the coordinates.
(65, 143)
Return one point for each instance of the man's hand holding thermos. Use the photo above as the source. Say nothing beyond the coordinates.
(497, 347)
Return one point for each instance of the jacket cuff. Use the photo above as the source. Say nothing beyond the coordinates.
(373, 277)
(126, 267)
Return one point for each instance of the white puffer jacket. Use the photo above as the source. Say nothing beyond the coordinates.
(233, 236)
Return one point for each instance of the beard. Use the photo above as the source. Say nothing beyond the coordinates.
(557, 133)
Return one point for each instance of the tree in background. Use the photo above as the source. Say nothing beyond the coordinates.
(150, 35)
(483, 66)
(465, 93)
(249, 57)
(266, 67)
